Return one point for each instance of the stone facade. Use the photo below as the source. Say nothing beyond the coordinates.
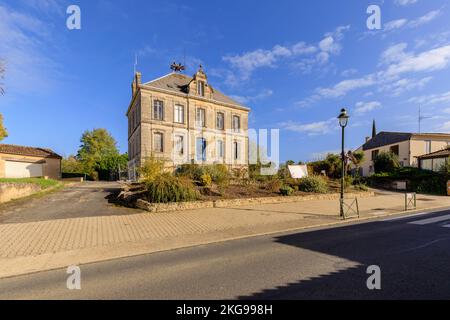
(182, 119)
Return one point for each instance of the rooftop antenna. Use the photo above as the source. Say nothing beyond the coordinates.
(135, 62)
(421, 118)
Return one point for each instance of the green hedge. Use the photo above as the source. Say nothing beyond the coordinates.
(421, 181)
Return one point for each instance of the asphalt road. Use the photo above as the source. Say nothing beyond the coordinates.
(88, 199)
(413, 255)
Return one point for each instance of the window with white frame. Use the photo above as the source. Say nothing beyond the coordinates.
(201, 149)
(236, 150)
(201, 88)
(158, 110)
(158, 142)
(220, 121)
(179, 113)
(220, 149)
(179, 145)
(201, 117)
(427, 146)
(236, 123)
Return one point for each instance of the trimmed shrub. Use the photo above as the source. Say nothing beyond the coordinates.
(313, 184)
(286, 191)
(167, 188)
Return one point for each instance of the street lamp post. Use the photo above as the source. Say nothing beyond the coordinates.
(343, 121)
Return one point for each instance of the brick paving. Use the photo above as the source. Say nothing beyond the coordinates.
(35, 238)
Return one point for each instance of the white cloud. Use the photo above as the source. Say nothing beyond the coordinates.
(27, 64)
(404, 2)
(247, 99)
(406, 23)
(430, 16)
(47, 6)
(396, 62)
(349, 72)
(431, 99)
(394, 53)
(345, 86)
(364, 107)
(432, 60)
(398, 87)
(395, 24)
(248, 62)
(314, 128)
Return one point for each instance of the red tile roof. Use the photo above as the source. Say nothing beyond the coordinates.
(28, 151)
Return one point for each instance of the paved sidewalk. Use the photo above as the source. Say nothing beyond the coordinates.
(35, 246)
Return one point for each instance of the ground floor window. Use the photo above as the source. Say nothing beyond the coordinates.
(158, 142)
(220, 149)
(201, 149)
(236, 150)
(179, 145)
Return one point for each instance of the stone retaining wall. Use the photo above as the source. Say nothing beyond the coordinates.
(10, 191)
(167, 207)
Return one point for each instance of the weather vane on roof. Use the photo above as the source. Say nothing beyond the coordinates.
(177, 67)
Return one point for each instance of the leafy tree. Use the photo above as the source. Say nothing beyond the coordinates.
(386, 162)
(3, 132)
(98, 151)
(356, 158)
(72, 165)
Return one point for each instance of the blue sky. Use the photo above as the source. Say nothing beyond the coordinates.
(295, 63)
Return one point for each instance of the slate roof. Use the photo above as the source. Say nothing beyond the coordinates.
(179, 83)
(445, 153)
(386, 138)
(28, 151)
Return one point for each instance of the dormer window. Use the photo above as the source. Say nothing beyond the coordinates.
(201, 88)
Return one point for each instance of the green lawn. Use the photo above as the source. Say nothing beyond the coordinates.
(44, 184)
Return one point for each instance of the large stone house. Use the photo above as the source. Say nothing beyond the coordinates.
(407, 146)
(28, 162)
(182, 119)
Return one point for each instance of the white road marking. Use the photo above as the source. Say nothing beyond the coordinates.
(431, 220)
(446, 226)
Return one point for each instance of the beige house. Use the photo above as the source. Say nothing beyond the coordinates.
(408, 147)
(28, 162)
(183, 119)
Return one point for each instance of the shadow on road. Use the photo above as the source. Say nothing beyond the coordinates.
(414, 262)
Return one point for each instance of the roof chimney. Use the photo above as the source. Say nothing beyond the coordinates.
(137, 81)
(367, 139)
